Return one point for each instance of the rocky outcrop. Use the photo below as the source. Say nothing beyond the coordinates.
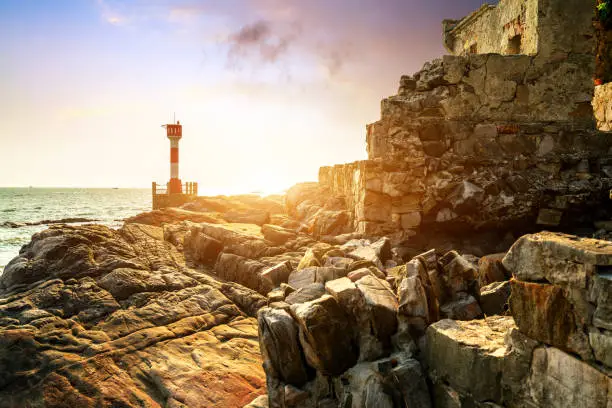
(474, 148)
(96, 317)
(561, 293)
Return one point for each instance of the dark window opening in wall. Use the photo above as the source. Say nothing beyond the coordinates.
(474, 48)
(514, 45)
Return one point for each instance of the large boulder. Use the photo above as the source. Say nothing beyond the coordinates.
(373, 334)
(561, 292)
(200, 247)
(543, 312)
(277, 235)
(325, 335)
(394, 381)
(91, 316)
(470, 357)
(381, 303)
(247, 272)
(561, 380)
(280, 348)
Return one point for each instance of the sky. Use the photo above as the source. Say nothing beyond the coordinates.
(267, 90)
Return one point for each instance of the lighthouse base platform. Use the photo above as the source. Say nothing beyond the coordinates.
(162, 198)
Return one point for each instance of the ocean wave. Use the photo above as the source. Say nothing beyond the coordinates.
(72, 220)
(14, 241)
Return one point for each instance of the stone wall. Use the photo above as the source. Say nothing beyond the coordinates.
(480, 142)
(490, 29)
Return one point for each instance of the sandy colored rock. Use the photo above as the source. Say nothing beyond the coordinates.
(125, 316)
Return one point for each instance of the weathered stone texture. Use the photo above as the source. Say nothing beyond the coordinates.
(561, 292)
(481, 142)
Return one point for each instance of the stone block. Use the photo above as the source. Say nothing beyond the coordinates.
(543, 312)
(494, 298)
(559, 380)
(279, 344)
(468, 356)
(557, 258)
(306, 294)
(278, 273)
(382, 304)
(491, 269)
(464, 307)
(325, 335)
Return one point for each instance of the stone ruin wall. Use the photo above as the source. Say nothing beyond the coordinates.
(491, 27)
(484, 142)
(548, 28)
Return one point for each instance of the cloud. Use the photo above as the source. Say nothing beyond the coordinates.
(110, 14)
(260, 41)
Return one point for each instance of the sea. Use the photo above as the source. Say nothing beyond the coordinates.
(26, 211)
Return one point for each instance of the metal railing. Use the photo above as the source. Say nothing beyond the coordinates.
(187, 188)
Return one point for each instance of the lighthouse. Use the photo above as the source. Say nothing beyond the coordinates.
(174, 133)
(175, 192)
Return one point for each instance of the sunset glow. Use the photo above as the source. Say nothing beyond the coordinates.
(268, 91)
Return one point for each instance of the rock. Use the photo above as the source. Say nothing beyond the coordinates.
(259, 402)
(337, 262)
(294, 396)
(301, 278)
(376, 253)
(559, 258)
(601, 344)
(250, 216)
(360, 273)
(326, 223)
(325, 335)
(302, 192)
(413, 299)
(245, 240)
(277, 274)
(494, 298)
(458, 352)
(491, 269)
(360, 317)
(244, 271)
(65, 339)
(124, 282)
(465, 307)
(560, 380)
(173, 216)
(543, 312)
(306, 294)
(309, 260)
(459, 274)
(201, 248)
(277, 235)
(279, 344)
(360, 264)
(466, 197)
(382, 304)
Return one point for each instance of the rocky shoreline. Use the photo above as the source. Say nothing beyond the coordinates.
(457, 267)
(168, 312)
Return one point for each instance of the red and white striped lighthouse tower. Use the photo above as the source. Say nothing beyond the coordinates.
(175, 193)
(174, 133)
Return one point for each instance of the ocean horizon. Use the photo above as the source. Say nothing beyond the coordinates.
(25, 211)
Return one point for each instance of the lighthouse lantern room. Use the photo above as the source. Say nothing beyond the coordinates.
(175, 192)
